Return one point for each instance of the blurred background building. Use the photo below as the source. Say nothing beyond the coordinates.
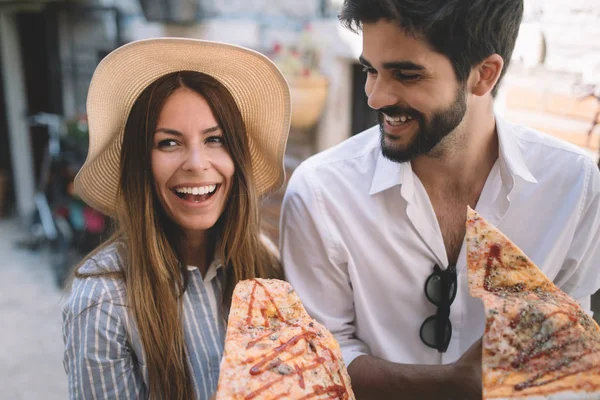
(50, 48)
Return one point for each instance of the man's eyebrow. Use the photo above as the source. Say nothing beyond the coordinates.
(403, 65)
(364, 61)
(177, 133)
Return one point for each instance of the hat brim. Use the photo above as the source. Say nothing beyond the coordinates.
(258, 87)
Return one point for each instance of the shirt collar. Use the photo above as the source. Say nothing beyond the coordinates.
(510, 153)
(389, 173)
(217, 264)
(212, 270)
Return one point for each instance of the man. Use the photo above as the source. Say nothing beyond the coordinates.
(367, 223)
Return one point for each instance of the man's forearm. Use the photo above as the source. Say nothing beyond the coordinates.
(373, 378)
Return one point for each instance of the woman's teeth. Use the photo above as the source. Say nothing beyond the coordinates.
(402, 119)
(199, 190)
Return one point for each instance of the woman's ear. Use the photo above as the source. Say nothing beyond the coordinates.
(485, 75)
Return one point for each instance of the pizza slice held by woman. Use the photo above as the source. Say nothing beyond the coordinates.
(275, 350)
(538, 341)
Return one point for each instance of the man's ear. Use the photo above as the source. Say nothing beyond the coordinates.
(485, 75)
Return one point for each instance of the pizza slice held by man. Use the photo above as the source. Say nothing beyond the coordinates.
(538, 341)
(275, 350)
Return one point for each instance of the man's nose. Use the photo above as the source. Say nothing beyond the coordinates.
(380, 94)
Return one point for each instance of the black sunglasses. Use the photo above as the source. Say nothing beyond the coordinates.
(440, 290)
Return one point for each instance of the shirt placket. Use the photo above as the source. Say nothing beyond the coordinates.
(493, 205)
(422, 216)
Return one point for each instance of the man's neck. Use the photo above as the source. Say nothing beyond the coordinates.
(468, 162)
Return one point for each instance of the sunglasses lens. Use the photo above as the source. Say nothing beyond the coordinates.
(434, 290)
(429, 329)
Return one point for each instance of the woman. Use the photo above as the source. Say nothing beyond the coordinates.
(184, 137)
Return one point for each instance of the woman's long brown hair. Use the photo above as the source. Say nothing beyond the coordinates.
(154, 276)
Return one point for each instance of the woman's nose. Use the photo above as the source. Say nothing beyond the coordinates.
(196, 159)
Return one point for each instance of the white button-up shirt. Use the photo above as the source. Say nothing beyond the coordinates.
(359, 237)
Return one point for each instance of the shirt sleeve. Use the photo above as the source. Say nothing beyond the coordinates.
(97, 358)
(580, 274)
(311, 263)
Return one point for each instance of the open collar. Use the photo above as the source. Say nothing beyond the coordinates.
(211, 272)
(388, 173)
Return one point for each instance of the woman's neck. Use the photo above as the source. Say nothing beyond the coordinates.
(197, 250)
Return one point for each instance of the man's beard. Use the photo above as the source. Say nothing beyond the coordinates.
(430, 134)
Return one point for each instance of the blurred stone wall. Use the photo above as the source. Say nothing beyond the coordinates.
(572, 32)
(556, 59)
(257, 24)
(240, 8)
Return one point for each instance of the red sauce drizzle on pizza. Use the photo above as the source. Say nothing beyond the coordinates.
(250, 305)
(334, 392)
(300, 373)
(259, 368)
(538, 348)
(263, 311)
(495, 254)
(272, 359)
(252, 343)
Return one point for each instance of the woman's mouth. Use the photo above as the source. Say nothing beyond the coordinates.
(196, 194)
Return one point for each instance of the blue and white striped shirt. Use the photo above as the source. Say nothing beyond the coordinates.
(103, 355)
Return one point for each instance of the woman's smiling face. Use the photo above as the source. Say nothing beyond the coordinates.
(191, 166)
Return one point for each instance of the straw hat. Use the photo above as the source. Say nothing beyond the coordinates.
(258, 87)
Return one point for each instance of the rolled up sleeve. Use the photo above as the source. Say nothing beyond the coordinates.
(313, 263)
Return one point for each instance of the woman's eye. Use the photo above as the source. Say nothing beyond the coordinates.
(167, 143)
(215, 139)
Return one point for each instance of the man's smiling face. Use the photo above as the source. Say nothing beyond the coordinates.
(414, 88)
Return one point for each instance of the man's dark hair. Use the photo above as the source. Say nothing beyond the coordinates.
(466, 31)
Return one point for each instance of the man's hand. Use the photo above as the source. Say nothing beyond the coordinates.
(466, 372)
(377, 379)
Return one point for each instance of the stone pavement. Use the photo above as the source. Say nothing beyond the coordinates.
(31, 346)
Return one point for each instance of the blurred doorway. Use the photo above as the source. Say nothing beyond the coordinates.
(363, 116)
(38, 40)
(6, 183)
